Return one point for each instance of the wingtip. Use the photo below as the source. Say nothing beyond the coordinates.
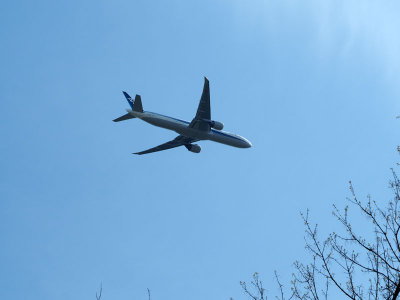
(206, 79)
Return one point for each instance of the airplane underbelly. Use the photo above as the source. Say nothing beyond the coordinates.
(219, 137)
(164, 123)
(193, 133)
(182, 128)
(223, 138)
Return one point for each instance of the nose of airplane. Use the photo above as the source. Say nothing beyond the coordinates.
(247, 143)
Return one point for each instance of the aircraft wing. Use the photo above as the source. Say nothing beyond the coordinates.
(204, 110)
(180, 140)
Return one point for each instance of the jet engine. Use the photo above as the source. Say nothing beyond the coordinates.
(215, 124)
(193, 148)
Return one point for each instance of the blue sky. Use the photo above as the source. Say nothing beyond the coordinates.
(314, 87)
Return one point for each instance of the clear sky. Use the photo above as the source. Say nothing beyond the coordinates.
(312, 84)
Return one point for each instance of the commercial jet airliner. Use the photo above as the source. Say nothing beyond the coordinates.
(200, 128)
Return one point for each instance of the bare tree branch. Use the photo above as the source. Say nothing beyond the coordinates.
(345, 260)
(98, 297)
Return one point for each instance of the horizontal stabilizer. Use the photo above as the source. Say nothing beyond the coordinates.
(124, 117)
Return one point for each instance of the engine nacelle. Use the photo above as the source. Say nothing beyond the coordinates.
(215, 124)
(193, 148)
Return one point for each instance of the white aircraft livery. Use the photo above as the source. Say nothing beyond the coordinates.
(200, 128)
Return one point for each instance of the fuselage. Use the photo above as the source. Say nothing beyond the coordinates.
(182, 127)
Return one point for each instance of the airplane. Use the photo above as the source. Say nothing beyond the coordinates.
(200, 128)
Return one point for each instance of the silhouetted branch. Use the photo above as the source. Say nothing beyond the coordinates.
(98, 297)
(258, 294)
(341, 258)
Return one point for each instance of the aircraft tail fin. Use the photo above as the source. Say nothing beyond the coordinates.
(136, 104)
